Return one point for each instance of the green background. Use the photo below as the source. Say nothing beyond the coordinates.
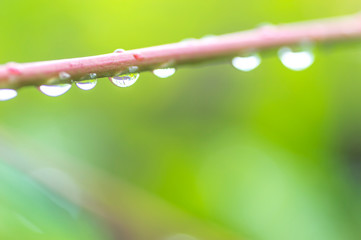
(210, 153)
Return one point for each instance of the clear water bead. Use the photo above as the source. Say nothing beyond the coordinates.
(119, 50)
(296, 61)
(64, 75)
(92, 75)
(188, 41)
(125, 80)
(247, 63)
(54, 90)
(164, 72)
(133, 69)
(7, 94)
(87, 85)
(209, 38)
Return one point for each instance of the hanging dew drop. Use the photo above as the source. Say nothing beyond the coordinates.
(296, 61)
(87, 85)
(119, 50)
(164, 72)
(209, 38)
(7, 94)
(92, 75)
(54, 90)
(64, 75)
(133, 69)
(188, 41)
(125, 80)
(247, 63)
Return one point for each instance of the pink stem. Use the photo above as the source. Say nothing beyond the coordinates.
(14, 75)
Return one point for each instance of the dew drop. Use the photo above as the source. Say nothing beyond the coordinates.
(119, 50)
(247, 63)
(7, 94)
(125, 80)
(296, 61)
(54, 90)
(92, 75)
(133, 69)
(209, 38)
(64, 75)
(164, 72)
(87, 85)
(188, 41)
(267, 31)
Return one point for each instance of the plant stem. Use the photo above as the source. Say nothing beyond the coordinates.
(15, 75)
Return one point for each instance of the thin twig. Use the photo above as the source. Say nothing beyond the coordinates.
(15, 75)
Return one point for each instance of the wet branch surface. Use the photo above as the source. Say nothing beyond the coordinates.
(16, 75)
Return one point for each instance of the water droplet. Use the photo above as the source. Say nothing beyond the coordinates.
(7, 94)
(87, 85)
(296, 61)
(268, 31)
(125, 80)
(92, 75)
(164, 72)
(64, 75)
(188, 41)
(209, 38)
(133, 69)
(247, 63)
(54, 90)
(119, 50)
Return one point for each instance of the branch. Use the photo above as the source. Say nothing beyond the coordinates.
(14, 75)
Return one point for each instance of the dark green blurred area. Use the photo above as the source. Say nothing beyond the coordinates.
(270, 154)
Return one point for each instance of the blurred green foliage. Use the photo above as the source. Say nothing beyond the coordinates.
(271, 154)
(31, 212)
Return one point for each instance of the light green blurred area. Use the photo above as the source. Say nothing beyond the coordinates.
(30, 212)
(271, 154)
